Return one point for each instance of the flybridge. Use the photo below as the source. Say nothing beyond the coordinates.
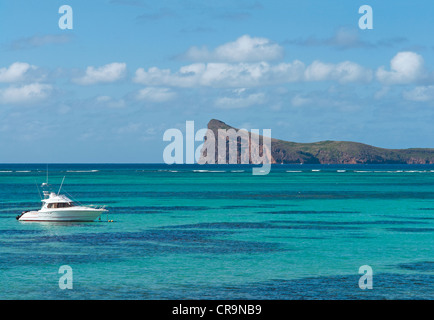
(52, 197)
(232, 147)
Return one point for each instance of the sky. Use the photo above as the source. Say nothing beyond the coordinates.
(106, 90)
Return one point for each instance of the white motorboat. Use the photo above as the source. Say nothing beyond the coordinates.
(58, 207)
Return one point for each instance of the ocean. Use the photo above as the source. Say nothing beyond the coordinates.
(219, 232)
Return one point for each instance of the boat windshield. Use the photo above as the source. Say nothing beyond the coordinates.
(61, 205)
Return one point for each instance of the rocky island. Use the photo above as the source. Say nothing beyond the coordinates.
(335, 152)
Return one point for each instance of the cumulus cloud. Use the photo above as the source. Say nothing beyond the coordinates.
(343, 72)
(15, 72)
(247, 62)
(222, 75)
(421, 94)
(230, 75)
(25, 94)
(105, 74)
(244, 49)
(405, 67)
(153, 94)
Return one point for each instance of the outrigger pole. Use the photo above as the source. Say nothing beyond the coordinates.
(61, 185)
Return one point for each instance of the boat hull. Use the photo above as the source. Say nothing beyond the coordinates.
(85, 215)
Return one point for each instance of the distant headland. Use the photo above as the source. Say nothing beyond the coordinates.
(336, 152)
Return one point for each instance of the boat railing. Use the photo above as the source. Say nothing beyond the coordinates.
(95, 206)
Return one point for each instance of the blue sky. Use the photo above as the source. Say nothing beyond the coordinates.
(107, 90)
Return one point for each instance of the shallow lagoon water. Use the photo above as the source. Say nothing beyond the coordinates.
(218, 232)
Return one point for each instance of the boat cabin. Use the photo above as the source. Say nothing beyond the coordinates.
(60, 205)
(55, 201)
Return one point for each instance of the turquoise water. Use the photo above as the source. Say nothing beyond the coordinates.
(218, 232)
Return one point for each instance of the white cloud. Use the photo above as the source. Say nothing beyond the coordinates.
(244, 63)
(422, 94)
(25, 94)
(155, 94)
(241, 69)
(105, 74)
(15, 72)
(343, 72)
(240, 99)
(405, 67)
(318, 71)
(235, 75)
(223, 75)
(244, 49)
